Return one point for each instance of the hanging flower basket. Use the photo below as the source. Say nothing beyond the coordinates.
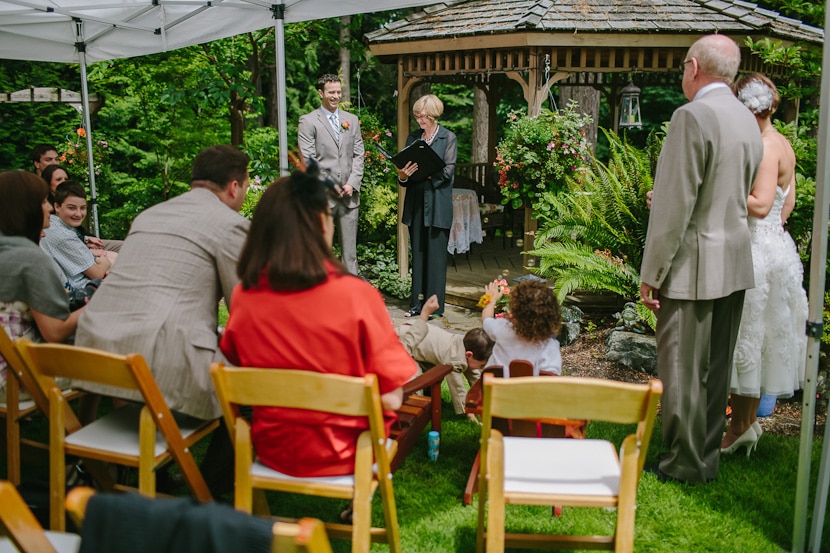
(538, 154)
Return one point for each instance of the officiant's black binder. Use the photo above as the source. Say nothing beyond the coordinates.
(420, 152)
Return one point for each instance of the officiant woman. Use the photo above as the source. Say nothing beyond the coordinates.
(427, 208)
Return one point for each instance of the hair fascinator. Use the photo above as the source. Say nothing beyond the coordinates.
(756, 96)
(306, 178)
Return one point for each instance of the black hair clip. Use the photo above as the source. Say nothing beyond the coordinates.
(308, 171)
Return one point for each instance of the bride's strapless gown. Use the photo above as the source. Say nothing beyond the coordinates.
(771, 347)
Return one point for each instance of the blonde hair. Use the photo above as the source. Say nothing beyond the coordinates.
(429, 105)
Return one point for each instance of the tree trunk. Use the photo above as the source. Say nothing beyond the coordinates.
(587, 97)
(237, 118)
(345, 57)
(481, 127)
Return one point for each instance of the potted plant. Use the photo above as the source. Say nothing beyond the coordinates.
(538, 154)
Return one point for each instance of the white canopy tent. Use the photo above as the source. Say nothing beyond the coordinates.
(818, 264)
(86, 31)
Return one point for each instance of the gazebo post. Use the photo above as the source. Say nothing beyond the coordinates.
(536, 89)
(405, 87)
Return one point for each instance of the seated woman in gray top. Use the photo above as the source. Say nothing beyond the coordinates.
(33, 300)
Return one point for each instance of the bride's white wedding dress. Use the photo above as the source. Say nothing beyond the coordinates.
(770, 351)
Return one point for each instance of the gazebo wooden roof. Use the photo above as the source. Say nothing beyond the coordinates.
(538, 43)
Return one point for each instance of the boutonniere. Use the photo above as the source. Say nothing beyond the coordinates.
(345, 125)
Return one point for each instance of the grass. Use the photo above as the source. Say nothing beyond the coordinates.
(749, 508)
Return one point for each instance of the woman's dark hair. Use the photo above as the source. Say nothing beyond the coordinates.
(47, 174)
(49, 170)
(286, 237)
(535, 311)
(21, 211)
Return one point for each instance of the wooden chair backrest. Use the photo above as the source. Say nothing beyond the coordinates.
(130, 372)
(17, 370)
(566, 397)
(307, 535)
(297, 389)
(18, 523)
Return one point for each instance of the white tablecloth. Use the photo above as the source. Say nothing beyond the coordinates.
(466, 221)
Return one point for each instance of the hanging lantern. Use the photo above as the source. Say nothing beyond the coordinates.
(630, 107)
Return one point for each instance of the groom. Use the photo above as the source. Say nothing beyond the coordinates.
(697, 261)
(331, 137)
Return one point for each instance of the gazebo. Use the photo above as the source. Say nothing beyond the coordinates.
(491, 44)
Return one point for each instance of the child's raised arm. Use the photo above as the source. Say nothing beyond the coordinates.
(493, 290)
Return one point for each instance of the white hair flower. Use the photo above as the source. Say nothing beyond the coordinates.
(756, 96)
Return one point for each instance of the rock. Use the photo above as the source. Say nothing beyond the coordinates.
(632, 350)
(571, 324)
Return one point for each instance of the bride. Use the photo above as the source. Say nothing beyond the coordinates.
(770, 352)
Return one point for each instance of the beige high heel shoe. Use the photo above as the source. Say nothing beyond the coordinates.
(748, 439)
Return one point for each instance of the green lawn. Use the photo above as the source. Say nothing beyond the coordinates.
(749, 508)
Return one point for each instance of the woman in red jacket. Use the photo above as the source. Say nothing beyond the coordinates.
(297, 307)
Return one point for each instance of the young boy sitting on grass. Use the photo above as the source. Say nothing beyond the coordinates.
(528, 331)
(63, 243)
(430, 345)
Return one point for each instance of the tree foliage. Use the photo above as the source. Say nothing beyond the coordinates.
(591, 237)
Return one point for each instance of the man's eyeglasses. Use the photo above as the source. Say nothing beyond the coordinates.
(682, 65)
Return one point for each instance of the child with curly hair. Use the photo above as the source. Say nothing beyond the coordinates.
(528, 331)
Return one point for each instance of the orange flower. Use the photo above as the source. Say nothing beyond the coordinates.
(81, 132)
(484, 300)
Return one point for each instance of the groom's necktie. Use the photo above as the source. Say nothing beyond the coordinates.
(335, 124)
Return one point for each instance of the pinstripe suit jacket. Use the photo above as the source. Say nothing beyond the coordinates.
(160, 300)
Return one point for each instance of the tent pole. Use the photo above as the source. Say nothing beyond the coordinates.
(93, 195)
(814, 331)
(278, 11)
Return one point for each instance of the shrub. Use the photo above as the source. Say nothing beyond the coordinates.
(378, 214)
(591, 237)
(538, 154)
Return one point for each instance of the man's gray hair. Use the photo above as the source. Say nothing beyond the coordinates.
(717, 57)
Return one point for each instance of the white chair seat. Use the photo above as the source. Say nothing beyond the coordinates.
(62, 542)
(258, 470)
(560, 466)
(26, 404)
(118, 432)
(22, 405)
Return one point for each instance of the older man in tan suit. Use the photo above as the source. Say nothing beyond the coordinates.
(697, 261)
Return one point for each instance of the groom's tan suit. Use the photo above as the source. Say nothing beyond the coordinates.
(698, 256)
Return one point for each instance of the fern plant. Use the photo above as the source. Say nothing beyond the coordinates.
(591, 237)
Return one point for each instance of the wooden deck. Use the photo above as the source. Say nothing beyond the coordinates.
(467, 273)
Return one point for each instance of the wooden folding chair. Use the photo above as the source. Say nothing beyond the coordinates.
(558, 428)
(330, 393)
(20, 530)
(307, 535)
(418, 410)
(556, 471)
(146, 437)
(14, 409)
